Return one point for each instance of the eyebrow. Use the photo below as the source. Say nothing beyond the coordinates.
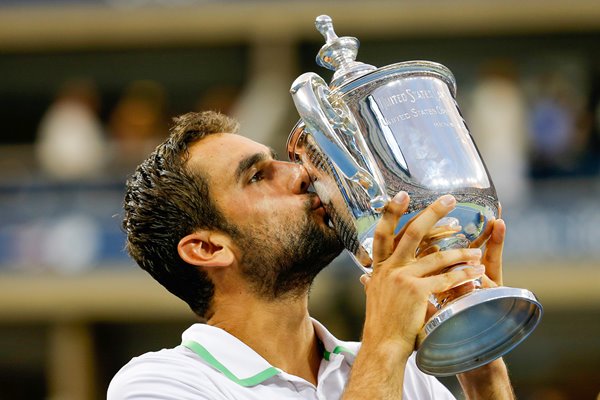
(249, 161)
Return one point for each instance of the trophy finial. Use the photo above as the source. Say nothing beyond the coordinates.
(324, 25)
(339, 53)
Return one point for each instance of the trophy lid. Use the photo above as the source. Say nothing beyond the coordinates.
(339, 54)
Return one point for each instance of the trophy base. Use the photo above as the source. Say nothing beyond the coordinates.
(476, 329)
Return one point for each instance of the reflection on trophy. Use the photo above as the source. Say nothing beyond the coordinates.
(376, 131)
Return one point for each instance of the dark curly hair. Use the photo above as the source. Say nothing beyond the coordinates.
(165, 201)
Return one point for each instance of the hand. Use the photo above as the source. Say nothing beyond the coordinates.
(491, 380)
(399, 288)
(492, 257)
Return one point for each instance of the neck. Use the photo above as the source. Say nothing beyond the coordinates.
(280, 331)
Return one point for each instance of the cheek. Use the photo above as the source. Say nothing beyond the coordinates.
(251, 210)
(266, 203)
(262, 210)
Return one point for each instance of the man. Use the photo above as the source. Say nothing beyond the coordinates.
(235, 233)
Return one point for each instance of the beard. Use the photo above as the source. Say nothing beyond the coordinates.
(282, 258)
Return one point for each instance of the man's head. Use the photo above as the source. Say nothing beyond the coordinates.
(207, 200)
(165, 201)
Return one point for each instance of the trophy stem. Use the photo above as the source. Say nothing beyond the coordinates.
(446, 235)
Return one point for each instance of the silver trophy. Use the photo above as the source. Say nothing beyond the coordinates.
(376, 131)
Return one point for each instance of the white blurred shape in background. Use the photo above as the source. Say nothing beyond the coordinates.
(70, 143)
(497, 119)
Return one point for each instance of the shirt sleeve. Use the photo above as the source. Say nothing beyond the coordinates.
(152, 379)
(418, 385)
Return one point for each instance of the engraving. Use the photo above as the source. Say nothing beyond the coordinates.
(412, 96)
(417, 113)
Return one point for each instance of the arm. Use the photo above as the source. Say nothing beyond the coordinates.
(487, 382)
(397, 297)
(490, 381)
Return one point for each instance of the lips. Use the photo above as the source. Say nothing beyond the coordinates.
(316, 202)
(319, 207)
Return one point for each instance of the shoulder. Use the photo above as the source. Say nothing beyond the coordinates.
(166, 374)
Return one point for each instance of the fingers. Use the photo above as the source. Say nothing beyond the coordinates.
(428, 244)
(383, 238)
(487, 282)
(492, 257)
(434, 262)
(442, 282)
(485, 235)
(420, 227)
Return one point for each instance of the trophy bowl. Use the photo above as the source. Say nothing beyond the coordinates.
(376, 131)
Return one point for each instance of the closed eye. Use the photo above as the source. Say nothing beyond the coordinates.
(258, 176)
(251, 161)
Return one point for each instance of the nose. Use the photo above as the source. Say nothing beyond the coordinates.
(298, 178)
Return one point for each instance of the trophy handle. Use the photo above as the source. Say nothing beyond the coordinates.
(311, 97)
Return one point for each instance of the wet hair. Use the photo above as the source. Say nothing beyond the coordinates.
(166, 200)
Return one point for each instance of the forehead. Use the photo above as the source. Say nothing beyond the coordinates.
(219, 154)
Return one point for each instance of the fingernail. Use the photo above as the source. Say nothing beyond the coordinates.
(478, 269)
(447, 200)
(474, 252)
(400, 197)
(364, 278)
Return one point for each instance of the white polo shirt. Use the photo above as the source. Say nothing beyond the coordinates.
(212, 364)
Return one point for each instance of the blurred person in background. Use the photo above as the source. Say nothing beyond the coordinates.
(136, 125)
(559, 125)
(71, 147)
(236, 233)
(497, 116)
(70, 143)
(221, 98)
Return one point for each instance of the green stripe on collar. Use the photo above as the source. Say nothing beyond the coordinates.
(206, 356)
(337, 350)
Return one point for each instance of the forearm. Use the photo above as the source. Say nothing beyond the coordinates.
(377, 373)
(488, 382)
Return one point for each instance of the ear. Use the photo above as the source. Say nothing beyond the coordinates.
(206, 249)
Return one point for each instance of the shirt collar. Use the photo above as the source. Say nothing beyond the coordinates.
(240, 363)
(333, 345)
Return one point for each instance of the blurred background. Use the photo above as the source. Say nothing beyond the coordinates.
(88, 87)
